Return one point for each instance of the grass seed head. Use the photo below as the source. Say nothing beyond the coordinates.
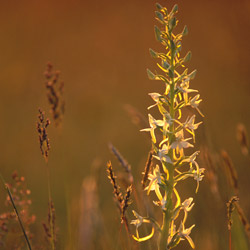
(126, 202)
(112, 177)
(41, 127)
(55, 89)
(230, 209)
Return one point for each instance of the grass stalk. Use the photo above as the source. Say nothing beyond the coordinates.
(52, 239)
(16, 212)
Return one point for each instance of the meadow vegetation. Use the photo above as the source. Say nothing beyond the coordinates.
(154, 203)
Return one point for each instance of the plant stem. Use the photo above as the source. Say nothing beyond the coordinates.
(17, 213)
(52, 241)
(167, 215)
(230, 240)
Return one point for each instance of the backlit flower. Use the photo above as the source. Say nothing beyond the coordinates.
(184, 233)
(153, 125)
(180, 143)
(155, 180)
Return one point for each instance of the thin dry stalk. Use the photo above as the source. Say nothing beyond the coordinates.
(147, 168)
(230, 209)
(89, 213)
(50, 227)
(126, 166)
(136, 117)
(243, 219)
(16, 212)
(231, 171)
(51, 214)
(45, 147)
(211, 172)
(241, 135)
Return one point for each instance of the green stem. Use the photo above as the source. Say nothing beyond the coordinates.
(167, 215)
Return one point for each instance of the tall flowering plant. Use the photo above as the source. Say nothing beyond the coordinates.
(169, 148)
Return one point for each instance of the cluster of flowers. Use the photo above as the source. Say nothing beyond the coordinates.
(168, 136)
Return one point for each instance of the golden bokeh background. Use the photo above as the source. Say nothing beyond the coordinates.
(101, 49)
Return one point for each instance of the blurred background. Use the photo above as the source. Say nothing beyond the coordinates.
(101, 49)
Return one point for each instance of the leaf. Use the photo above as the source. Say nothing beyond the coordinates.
(175, 9)
(159, 16)
(187, 57)
(159, 7)
(185, 31)
(151, 76)
(158, 34)
(153, 53)
(193, 74)
(172, 23)
(165, 65)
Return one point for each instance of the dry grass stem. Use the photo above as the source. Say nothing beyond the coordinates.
(147, 168)
(126, 166)
(241, 135)
(243, 219)
(17, 198)
(89, 222)
(136, 117)
(50, 227)
(231, 171)
(211, 172)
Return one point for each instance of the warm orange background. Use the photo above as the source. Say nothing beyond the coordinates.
(101, 49)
